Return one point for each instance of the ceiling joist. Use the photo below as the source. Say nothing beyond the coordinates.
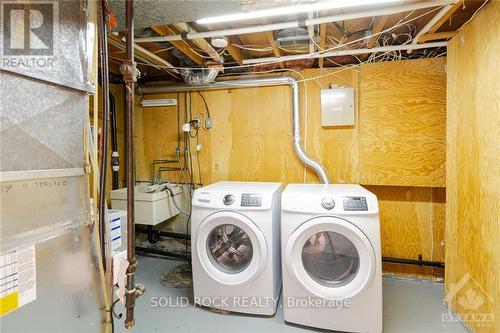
(322, 41)
(276, 50)
(201, 43)
(141, 53)
(378, 26)
(234, 51)
(445, 17)
(164, 30)
(436, 35)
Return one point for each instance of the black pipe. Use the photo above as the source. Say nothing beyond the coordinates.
(115, 162)
(418, 262)
(105, 119)
(130, 73)
(161, 252)
(154, 235)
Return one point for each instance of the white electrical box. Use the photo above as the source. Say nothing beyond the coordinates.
(337, 107)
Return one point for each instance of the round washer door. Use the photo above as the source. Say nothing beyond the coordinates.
(330, 258)
(231, 248)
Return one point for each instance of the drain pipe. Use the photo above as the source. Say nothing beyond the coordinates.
(130, 74)
(250, 83)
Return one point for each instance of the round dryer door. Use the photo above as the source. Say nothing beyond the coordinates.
(231, 248)
(331, 258)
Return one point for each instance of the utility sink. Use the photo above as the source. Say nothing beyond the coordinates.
(150, 208)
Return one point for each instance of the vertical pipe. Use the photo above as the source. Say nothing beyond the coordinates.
(130, 73)
(258, 82)
(115, 163)
(105, 120)
(297, 144)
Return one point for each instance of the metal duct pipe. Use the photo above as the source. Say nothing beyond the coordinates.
(199, 77)
(256, 82)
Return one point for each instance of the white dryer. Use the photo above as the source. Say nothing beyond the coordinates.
(235, 246)
(332, 264)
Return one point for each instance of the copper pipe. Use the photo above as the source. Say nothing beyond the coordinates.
(130, 73)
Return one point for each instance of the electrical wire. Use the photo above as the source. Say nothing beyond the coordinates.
(204, 102)
(473, 15)
(318, 52)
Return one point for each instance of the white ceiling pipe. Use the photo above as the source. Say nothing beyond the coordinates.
(344, 52)
(431, 23)
(294, 24)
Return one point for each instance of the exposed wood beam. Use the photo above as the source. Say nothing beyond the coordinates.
(378, 26)
(436, 35)
(322, 41)
(276, 50)
(180, 45)
(310, 32)
(443, 19)
(234, 51)
(140, 53)
(199, 42)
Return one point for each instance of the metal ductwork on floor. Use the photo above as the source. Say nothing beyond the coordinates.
(255, 82)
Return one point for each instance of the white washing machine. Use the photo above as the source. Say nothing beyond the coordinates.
(235, 246)
(332, 264)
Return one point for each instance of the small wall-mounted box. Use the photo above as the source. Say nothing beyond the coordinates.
(337, 107)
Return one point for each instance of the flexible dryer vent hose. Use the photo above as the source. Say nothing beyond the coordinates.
(255, 82)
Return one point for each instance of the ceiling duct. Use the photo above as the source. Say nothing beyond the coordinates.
(293, 38)
(199, 77)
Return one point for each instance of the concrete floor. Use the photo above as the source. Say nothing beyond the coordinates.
(409, 306)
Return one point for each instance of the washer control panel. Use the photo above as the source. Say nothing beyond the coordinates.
(228, 199)
(251, 200)
(355, 204)
(328, 203)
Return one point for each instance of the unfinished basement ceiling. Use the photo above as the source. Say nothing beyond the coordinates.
(263, 50)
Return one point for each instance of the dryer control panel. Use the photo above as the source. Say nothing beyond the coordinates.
(251, 200)
(354, 204)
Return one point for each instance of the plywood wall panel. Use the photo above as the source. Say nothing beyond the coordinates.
(251, 140)
(473, 171)
(336, 147)
(402, 123)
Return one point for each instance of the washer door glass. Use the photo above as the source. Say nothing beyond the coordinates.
(229, 248)
(330, 259)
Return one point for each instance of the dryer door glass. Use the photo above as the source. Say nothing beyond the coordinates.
(229, 248)
(330, 259)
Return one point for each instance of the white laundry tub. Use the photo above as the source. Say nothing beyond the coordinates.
(150, 208)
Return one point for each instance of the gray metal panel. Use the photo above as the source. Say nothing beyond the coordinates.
(38, 209)
(67, 299)
(43, 189)
(41, 125)
(69, 63)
